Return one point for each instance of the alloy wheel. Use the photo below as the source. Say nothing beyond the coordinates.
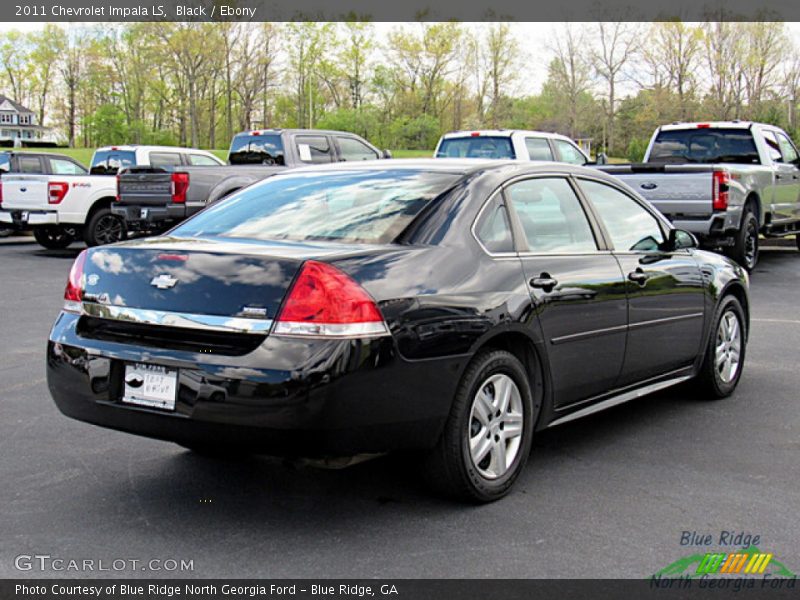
(495, 426)
(729, 347)
(108, 230)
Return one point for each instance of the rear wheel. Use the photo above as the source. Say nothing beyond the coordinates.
(487, 437)
(797, 240)
(724, 357)
(54, 238)
(104, 227)
(745, 247)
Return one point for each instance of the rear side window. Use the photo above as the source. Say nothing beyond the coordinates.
(349, 206)
(551, 216)
(705, 146)
(630, 225)
(5, 162)
(538, 148)
(351, 149)
(493, 228)
(247, 149)
(787, 149)
(476, 147)
(108, 162)
(59, 166)
(569, 153)
(201, 160)
(165, 159)
(313, 149)
(29, 164)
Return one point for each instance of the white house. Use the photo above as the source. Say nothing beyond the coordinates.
(18, 124)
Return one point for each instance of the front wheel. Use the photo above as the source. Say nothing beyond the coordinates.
(724, 356)
(104, 227)
(54, 237)
(487, 437)
(745, 244)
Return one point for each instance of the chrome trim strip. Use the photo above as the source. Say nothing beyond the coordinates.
(177, 319)
(597, 332)
(620, 399)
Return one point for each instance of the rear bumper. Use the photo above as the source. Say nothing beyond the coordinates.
(143, 217)
(26, 218)
(288, 397)
(718, 226)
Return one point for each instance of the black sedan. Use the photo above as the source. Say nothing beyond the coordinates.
(448, 307)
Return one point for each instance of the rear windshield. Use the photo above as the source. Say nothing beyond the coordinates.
(476, 147)
(257, 150)
(349, 206)
(705, 146)
(108, 162)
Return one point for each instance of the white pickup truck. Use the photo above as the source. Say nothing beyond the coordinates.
(61, 207)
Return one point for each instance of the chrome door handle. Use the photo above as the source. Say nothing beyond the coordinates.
(544, 282)
(638, 276)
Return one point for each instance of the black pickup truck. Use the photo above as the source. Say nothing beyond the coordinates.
(153, 199)
(35, 163)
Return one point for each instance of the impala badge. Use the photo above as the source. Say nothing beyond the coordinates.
(164, 281)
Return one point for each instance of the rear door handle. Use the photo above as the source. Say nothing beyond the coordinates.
(638, 276)
(544, 282)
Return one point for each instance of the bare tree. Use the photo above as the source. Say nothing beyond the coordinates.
(570, 71)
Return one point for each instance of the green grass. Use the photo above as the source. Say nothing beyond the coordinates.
(412, 153)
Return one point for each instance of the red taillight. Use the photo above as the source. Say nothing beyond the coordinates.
(703, 125)
(719, 190)
(475, 134)
(117, 196)
(324, 302)
(56, 190)
(180, 183)
(73, 293)
(1, 193)
(255, 133)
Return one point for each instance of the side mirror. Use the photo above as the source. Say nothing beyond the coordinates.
(386, 154)
(682, 240)
(602, 159)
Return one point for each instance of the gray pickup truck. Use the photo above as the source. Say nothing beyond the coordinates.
(153, 199)
(726, 182)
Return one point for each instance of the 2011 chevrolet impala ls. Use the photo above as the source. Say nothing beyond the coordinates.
(449, 307)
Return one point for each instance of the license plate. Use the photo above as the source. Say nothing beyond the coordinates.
(143, 213)
(23, 216)
(150, 385)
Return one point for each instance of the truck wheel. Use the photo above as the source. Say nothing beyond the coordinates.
(104, 227)
(745, 247)
(53, 238)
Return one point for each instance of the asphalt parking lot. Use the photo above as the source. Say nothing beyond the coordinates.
(607, 496)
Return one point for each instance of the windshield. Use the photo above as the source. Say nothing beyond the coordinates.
(475, 147)
(349, 206)
(108, 162)
(249, 149)
(705, 146)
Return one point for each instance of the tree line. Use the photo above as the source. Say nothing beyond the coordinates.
(400, 86)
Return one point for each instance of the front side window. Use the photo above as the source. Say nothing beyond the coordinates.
(493, 228)
(772, 146)
(787, 149)
(59, 166)
(551, 216)
(349, 206)
(478, 146)
(351, 149)
(631, 226)
(538, 148)
(313, 149)
(569, 153)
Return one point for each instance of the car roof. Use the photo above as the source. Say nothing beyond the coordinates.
(278, 130)
(709, 125)
(503, 133)
(134, 147)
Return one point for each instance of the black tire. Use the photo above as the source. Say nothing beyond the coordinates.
(710, 379)
(53, 238)
(797, 240)
(745, 247)
(104, 227)
(449, 467)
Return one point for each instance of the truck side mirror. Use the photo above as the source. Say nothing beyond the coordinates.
(386, 154)
(602, 159)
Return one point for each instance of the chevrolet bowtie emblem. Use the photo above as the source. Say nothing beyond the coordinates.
(164, 282)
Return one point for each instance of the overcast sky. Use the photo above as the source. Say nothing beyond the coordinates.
(533, 39)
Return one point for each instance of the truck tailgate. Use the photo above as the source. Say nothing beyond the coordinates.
(679, 192)
(144, 186)
(25, 192)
